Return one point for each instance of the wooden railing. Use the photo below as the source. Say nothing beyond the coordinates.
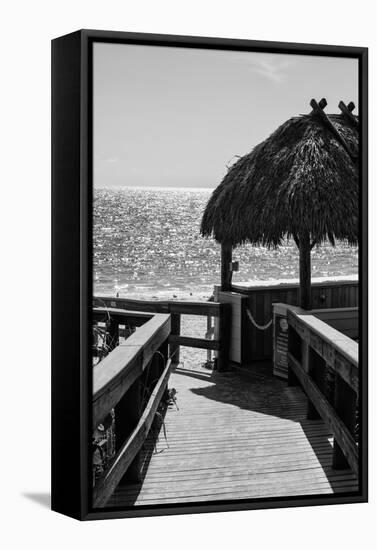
(135, 367)
(136, 362)
(343, 319)
(176, 309)
(257, 345)
(325, 363)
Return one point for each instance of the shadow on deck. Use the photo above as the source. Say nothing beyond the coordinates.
(235, 436)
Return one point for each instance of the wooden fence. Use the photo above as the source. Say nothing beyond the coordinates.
(220, 311)
(325, 363)
(250, 344)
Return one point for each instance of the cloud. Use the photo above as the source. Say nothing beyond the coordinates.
(273, 68)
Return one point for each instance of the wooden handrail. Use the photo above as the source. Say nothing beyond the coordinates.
(99, 311)
(190, 342)
(114, 375)
(161, 306)
(130, 448)
(312, 346)
(122, 368)
(340, 352)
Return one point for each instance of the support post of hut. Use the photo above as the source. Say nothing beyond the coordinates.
(224, 337)
(305, 270)
(226, 270)
(174, 349)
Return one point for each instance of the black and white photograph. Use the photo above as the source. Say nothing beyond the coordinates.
(188, 275)
(225, 274)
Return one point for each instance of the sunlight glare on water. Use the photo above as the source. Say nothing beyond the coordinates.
(147, 244)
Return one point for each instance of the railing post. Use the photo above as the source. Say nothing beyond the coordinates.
(224, 337)
(314, 367)
(176, 331)
(295, 349)
(209, 326)
(127, 415)
(345, 406)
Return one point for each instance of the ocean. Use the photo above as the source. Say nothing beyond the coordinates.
(147, 244)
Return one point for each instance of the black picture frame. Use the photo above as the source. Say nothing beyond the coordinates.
(72, 261)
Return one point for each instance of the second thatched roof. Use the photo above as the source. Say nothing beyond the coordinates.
(302, 176)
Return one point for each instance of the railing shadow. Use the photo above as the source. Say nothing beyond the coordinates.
(259, 391)
(199, 375)
(154, 444)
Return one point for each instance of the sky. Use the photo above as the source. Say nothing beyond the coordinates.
(177, 117)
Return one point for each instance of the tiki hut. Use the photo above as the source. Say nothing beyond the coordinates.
(302, 183)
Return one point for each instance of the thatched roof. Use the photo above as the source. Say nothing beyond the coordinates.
(302, 176)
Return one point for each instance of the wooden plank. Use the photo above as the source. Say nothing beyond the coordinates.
(260, 488)
(230, 475)
(152, 306)
(151, 334)
(159, 306)
(112, 377)
(328, 414)
(195, 308)
(279, 444)
(120, 314)
(234, 485)
(159, 475)
(345, 325)
(190, 342)
(107, 483)
(206, 497)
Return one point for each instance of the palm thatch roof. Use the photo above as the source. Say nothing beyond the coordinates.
(304, 176)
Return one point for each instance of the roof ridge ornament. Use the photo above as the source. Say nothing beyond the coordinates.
(347, 112)
(318, 110)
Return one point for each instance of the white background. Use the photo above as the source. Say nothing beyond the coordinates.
(27, 28)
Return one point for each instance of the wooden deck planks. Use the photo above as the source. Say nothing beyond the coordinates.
(236, 437)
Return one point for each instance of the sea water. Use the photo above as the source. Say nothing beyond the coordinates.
(147, 244)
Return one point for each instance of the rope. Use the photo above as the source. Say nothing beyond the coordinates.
(253, 321)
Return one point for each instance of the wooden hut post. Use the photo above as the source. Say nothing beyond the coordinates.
(226, 271)
(305, 270)
(174, 349)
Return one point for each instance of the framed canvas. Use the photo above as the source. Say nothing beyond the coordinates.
(209, 230)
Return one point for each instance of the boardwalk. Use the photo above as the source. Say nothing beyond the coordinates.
(235, 437)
